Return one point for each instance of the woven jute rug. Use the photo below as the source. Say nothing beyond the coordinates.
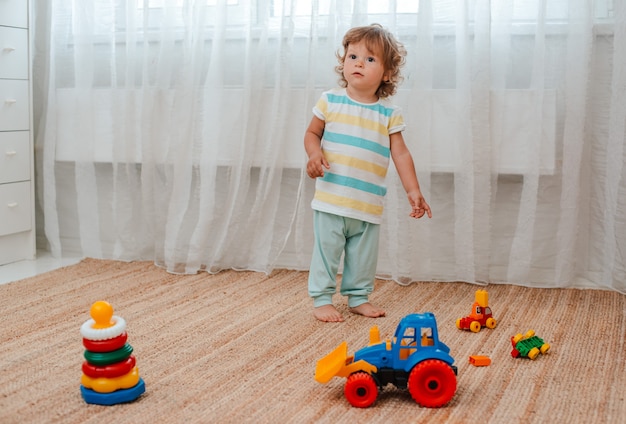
(238, 347)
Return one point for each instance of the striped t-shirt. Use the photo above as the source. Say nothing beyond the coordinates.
(356, 145)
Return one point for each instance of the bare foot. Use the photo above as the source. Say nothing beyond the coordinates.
(327, 313)
(368, 310)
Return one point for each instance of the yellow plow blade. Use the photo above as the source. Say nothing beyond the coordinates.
(331, 364)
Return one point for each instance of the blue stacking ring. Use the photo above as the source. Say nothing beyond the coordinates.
(118, 396)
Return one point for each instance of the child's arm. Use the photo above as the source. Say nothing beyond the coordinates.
(313, 146)
(403, 161)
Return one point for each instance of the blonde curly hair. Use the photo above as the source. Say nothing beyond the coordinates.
(378, 40)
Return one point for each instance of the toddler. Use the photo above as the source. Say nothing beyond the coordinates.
(354, 131)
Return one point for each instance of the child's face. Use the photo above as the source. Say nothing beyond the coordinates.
(363, 69)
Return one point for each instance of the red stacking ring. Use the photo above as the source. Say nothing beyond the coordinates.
(109, 371)
(105, 345)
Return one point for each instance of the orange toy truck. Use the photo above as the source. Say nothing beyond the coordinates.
(481, 315)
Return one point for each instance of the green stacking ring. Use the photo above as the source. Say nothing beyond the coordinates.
(107, 358)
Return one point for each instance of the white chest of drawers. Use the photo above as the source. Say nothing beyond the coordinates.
(17, 221)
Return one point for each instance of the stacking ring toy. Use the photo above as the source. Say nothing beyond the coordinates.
(107, 358)
(109, 371)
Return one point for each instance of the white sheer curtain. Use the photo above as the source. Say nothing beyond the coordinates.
(171, 130)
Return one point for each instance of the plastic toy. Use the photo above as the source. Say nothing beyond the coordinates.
(528, 345)
(413, 359)
(110, 375)
(480, 360)
(481, 315)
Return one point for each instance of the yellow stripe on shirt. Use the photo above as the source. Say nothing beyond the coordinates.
(356, 163)
(357, 122)
(348, 203)
(396, 121)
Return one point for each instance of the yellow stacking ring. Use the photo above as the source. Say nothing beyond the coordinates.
(108, 385)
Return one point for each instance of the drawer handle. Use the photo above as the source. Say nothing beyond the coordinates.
(11, 153)
(12, 204)
(9, 49)
(10, 101)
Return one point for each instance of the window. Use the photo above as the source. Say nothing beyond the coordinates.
(304, 8)
(403, 15)
(150, 15)
(407, 344)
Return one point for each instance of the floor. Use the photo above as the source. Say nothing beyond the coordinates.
(24, 269)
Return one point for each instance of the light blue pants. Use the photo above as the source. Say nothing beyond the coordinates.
(358, 242)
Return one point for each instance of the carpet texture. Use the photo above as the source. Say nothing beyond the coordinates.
(240, 347)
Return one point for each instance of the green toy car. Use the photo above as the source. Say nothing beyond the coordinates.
(528, 345)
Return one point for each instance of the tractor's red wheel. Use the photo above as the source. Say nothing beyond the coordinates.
(432, 383)
(361, 390)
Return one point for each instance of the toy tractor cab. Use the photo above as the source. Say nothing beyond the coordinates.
(481, 315)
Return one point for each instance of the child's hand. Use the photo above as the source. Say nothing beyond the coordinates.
(419, 207)
(316, 164)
